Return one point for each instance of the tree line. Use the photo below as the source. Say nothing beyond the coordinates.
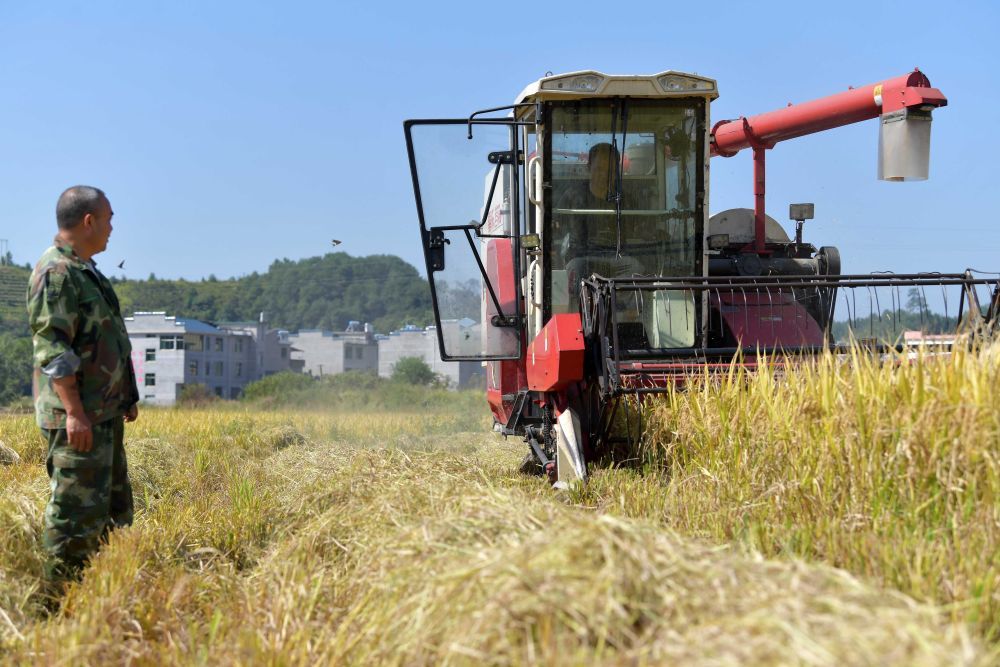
(314, 293)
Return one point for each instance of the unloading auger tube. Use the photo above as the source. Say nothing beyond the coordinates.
(581, 211)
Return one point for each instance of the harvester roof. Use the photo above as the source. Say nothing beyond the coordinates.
(590, 83)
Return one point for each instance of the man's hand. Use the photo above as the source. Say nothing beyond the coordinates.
(78, 432)
(132, 413)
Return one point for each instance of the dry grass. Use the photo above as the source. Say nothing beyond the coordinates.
(301, 538)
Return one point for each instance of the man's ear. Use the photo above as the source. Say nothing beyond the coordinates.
(87, 222)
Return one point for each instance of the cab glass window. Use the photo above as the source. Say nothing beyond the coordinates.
(624, 193)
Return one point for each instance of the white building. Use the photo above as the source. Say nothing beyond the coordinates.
(330, 352)
(170, 352)
(412, 341)
(273, 346)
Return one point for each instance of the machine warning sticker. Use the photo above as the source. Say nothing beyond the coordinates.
(877, 93)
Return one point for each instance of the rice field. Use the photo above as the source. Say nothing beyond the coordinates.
(842, 514)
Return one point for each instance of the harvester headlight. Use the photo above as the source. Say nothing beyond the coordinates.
(676, 83)
(584, 83)
(718, 241)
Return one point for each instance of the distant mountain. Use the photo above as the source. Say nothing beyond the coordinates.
(314, 293)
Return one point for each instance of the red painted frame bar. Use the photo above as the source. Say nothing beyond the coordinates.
(763, 131)
(851, 106)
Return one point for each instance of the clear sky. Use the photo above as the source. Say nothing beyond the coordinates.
(228, 134)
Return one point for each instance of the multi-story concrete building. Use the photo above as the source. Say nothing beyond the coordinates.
(412, 341)
(331, 352)
(169, 353)
(273, 346)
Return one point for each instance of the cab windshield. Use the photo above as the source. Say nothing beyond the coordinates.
(625, 178)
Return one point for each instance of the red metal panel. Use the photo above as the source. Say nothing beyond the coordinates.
(503, 378)
(851, 106)
(663, 374)
(555, 357)
(768, 320)
(499, 259)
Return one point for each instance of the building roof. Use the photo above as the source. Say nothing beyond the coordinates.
(169, 323)
(197, 326)
(247, 323)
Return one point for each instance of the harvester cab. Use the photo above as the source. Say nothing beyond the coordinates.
(570, 249)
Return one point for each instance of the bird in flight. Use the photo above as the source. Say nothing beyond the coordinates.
(121, 264)
(335, 242)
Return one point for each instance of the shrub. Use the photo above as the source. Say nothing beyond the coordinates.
(353, 380)
(413, 370)
(278, 385)
(15, 368)
(195, 395)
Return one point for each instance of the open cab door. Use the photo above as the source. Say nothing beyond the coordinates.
(466, 185)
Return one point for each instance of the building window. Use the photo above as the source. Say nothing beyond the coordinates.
(234, 393)
(151, 354)
(150, 379)
(284, 352)
(171, 342)
(218, 344)
(149, 397)
(218, 368)
(192, 368)
(238, 344)
(208, 368)
(218, 392)
(239, 369)
(194, 343)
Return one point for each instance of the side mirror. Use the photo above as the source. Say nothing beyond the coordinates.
(435, 249)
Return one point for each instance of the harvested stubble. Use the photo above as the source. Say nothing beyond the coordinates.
(294, 538)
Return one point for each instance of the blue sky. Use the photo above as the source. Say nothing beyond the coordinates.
(228, 134)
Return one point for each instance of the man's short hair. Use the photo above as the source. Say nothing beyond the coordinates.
(77, 202)
(604, 148)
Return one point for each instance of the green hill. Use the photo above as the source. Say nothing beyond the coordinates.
(13, 283)
(317, 292)
(314, 293)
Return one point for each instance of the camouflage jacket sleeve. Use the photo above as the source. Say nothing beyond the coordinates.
(53, 314)
(133, 387)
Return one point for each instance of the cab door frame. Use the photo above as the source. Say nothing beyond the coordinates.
(433, 239)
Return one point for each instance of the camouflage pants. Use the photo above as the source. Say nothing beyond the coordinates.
(91, 495)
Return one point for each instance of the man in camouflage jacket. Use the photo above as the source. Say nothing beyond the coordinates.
(84, 384)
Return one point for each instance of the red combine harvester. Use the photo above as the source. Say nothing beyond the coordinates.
(585, 270)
